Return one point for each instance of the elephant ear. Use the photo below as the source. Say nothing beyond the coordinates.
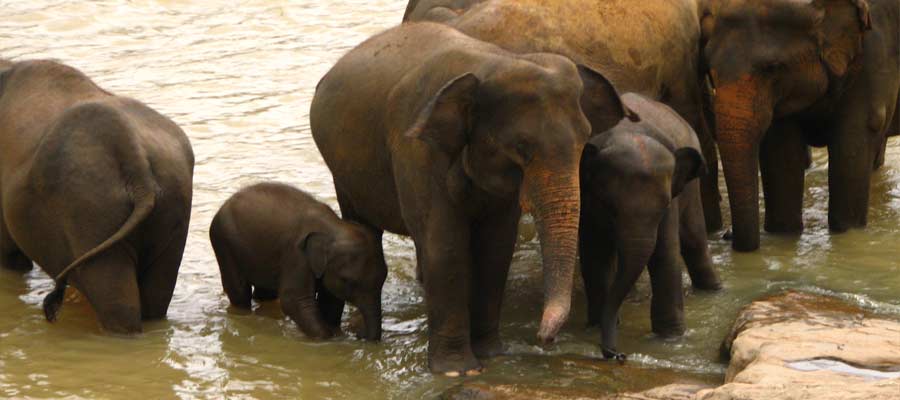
(689, 165)
(445, 119)
(842, 34)
(317, 246)
(600, 101)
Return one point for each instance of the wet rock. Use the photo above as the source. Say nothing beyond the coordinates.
(572, 371)
(801, 346)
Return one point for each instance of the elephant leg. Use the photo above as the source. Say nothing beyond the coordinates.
(11, 257)
(667, 302)
(157, 280)
(297, 291)
(850, 158)
(692, 237)
(598, 256)
(443, 242)
(331, 307)
(782, 161)
(235, 285)
(688, 101)
(493, 243)
(109, 282)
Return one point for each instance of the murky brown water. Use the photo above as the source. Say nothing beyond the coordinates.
(238, 77)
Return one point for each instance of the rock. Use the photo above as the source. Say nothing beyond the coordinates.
(579, 377)
(801, 346)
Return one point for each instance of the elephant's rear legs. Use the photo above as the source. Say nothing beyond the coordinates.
(11, 257)
(157, 280)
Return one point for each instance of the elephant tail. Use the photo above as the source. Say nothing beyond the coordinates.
(141, 184)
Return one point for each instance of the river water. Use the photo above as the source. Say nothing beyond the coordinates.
(238, 77)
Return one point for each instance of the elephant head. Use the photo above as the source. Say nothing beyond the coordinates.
(767, 59)
(349, 266)
(631, 174)
(517, 130)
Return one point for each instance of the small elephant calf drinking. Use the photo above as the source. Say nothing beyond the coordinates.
(287, 245)
(642, 206)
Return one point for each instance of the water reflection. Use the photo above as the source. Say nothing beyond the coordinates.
(238, 76)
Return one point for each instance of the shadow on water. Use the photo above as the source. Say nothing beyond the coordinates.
(238, 77)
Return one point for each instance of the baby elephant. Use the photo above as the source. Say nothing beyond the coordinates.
(642, 207)
(287, 245)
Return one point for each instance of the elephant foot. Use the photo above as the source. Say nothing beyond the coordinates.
(452, 357)
(488, 346)
(613, 354)
(707, 283)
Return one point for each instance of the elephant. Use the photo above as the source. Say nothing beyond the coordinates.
(788, 74)
(286, 244)
(641, 207)
(648, 47)
(96, 189)
(435, 135)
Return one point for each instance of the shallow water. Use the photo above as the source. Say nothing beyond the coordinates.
(238, 77)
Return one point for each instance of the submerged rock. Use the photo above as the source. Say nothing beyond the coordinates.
(798, 345)
(616, 378)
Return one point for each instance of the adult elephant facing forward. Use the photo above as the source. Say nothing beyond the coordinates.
(433, 134)
(790, 73)
(651, 47)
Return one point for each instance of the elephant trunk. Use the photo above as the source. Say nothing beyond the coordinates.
(554, 197)
(633, 253)
(742, 116)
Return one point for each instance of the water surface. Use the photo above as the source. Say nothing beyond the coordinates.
(238, 77)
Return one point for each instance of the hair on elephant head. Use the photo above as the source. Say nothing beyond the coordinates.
(519, 132)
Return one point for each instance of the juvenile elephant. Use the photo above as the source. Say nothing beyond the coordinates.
(287, 245)
(435, 135)
(794, 73)
(651, 47)
(641, 206)
(94, 188)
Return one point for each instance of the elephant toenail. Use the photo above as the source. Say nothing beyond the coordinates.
(473, 372)
(452, 374)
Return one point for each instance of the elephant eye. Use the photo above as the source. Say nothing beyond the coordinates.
(524, 150)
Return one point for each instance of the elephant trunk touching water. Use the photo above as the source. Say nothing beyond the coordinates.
(555, 198)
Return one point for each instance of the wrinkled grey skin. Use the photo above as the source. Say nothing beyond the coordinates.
(287, 245)
(435, 135)
(96, 183)
(650, 47)
(641, 207)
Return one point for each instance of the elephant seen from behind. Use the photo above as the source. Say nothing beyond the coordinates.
(95, 188)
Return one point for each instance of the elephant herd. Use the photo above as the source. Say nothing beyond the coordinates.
(601, 118)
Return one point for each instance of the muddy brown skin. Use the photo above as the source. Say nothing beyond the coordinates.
(435, 135)
(794, 73)
(282, 243)
(641, 206)
(647, 47)
(94, 181)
